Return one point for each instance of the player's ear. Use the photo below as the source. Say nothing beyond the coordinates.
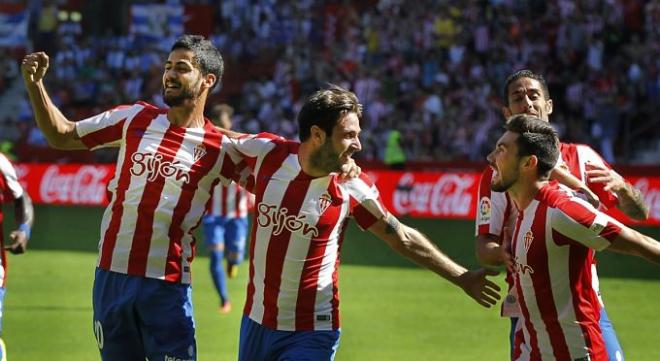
(506, 112)
(317, 134)
(209, 80)
(530, 162)
(548, 107)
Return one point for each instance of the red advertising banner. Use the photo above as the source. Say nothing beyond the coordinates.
(71, 184)
(415, 194)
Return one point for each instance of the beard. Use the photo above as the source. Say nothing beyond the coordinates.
(504, 184)
(185, 93)
(326, 158)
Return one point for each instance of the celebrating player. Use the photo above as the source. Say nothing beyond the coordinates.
(553, 245)
(225, 223)
(10, 189)
(292, 306)
(168, 161)
(527, 93)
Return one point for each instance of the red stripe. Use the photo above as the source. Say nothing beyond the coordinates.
(105, 135)
(570, 156)
(153, 189)
(507, 213)
(238, 196)
(537, 255)
(3, 253)
(224, 210)
(271, 163)
(277, 247)
(310, 273)
(585, 300)
(138, 125)
(484, 191)
(535, 354)
(335, 281)
(198, 171)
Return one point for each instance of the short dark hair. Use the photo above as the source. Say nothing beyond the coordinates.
(324, 108)
(207, 57)
(537, 138)
(525, 73)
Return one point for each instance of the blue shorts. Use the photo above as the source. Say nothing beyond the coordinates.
(231, 232)
(138, 317)
(260, 343)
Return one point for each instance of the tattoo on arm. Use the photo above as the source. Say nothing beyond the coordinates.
(392, 225)
(631, 202)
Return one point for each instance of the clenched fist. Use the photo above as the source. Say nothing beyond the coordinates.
(34, 67)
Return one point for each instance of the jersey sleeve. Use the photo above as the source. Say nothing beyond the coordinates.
(491, 207)
(242, 156)
(12, 189)
(580, 222)
(106, 129)
(366, 206)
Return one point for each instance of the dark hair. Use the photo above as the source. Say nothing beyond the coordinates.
(207, 57)
(537, 138)
(525, 73)
(324, 108)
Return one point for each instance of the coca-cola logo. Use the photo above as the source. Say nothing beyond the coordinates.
(280, 219)
(448, 195)
(651, 197)
(84, 186)
(154, 165)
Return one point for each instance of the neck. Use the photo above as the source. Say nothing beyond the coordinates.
(305, 153)
(186, 116)
(523, 192)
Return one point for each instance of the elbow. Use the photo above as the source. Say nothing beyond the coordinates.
(639, 214)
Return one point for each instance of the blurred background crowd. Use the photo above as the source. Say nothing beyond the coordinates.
(429, 73)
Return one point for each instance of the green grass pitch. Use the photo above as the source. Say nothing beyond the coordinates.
(391, 310)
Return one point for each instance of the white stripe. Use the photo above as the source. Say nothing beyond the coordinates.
(10, 177)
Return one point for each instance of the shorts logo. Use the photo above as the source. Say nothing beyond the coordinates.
(529, 237)
(98, 332)
(484, 210)
(280, 219)
(154, 166)
(199, 152)
(325, 200)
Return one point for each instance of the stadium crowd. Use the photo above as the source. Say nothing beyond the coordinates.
(432, 71)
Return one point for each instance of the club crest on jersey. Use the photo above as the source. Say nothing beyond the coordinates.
(280, 219)
(154, 166)
(199, 152)
(325, 200)
(529, 237)
(484, 210)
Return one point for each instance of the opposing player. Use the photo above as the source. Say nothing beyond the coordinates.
(292, 306)
(225, 223)
(527, 93)
(11, 190)
(168, 161)
(553, 245)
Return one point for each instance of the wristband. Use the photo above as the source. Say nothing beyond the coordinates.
(25, 228)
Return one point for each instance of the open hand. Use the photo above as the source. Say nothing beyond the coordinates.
(350, 169)
(19, 244)
(34, 66)
(480, 288)
(598, 173)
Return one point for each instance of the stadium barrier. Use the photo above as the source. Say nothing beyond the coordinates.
(429, 194)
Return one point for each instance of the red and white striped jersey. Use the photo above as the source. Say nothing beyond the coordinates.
(297, 233)
(495, 210)
(10, 190)
(230, 201)
(553, 248)
(159, 192)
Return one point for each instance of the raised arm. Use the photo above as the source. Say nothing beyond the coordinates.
(24, 215)
(58, 130)
(631, 242)
(564, 176)
(414, 245)
(631, 201)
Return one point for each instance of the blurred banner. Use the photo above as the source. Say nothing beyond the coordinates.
(415, 194)
(155, 21)
(14, 29)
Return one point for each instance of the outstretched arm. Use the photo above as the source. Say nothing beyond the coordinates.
(24, 215)
(629, 241)
(564, 176)
(58, 130)
(414, 245)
